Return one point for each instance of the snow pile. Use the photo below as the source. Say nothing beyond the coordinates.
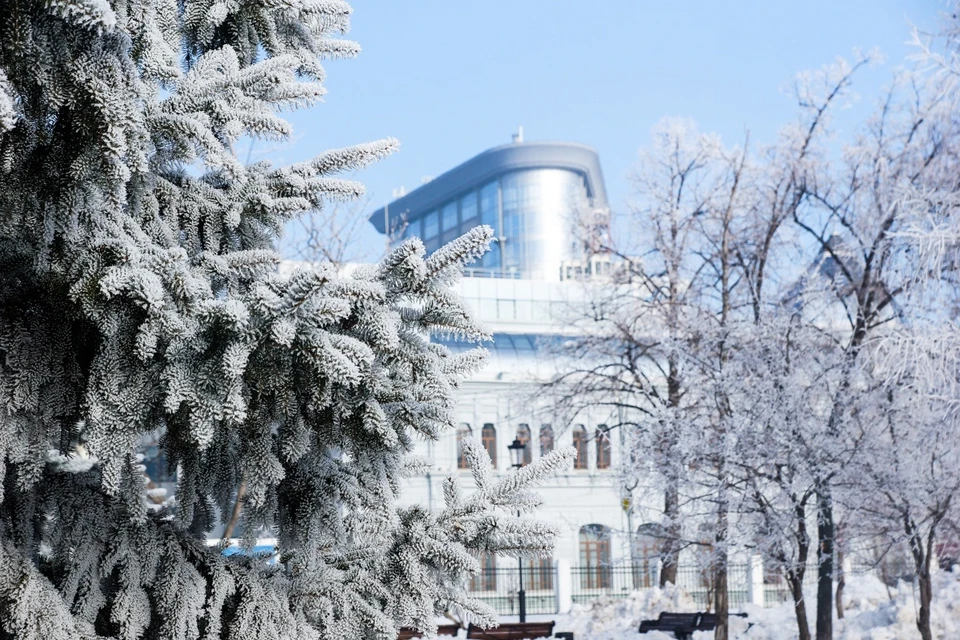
(609, 619)
(872, 612)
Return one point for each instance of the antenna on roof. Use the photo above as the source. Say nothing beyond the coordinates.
(518, 136)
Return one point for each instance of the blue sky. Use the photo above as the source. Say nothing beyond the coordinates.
(450, 79)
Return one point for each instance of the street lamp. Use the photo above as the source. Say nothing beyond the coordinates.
(517, 450)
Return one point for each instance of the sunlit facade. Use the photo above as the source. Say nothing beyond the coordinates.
(536, 196)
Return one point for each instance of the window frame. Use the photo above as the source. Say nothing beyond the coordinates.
(488, 437)
(580, 443)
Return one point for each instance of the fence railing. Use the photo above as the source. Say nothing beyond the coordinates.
(619, 581)
(499, 588)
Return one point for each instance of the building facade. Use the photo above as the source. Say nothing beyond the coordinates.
(546, 202)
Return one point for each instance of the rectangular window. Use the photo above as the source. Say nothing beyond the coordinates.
(580, 444)
(449, 223)
(489, 211)
(490, 215)
(488, 437)
(469, 214)
(431, 225)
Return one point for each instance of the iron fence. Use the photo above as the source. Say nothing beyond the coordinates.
(610, 581)
(499, 587)
(700, 584)
(776, 588)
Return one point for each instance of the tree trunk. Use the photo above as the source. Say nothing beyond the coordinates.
(670, 550)
(795, 580)
(841, 583)
(825, 536)
(237, 509)
(926, 595)
(922, 558)
(671, 543)
(795, 577)
(722, 631)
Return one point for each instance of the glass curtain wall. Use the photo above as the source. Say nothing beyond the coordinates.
(532, 213)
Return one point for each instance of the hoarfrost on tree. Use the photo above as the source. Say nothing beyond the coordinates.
(140, 294)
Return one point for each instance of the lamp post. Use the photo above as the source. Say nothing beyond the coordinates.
(517, 449)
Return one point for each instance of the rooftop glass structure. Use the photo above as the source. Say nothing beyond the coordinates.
(532, 194)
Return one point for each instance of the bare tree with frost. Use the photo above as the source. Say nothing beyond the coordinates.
(139, 291)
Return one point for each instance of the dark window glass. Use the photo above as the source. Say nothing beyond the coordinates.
(463, 431)
(523, 435)
(580, 444)
(489, 439)
(603, 447)
(546, 439)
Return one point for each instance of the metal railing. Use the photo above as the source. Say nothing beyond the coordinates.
(499, 587)
(619, 581)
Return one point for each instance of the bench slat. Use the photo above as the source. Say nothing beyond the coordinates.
(513, 631)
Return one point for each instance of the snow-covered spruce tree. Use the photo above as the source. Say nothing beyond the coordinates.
(139, 292)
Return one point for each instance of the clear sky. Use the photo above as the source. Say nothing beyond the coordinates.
(453, 78)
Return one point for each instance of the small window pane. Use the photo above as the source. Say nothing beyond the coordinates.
(488, 206)
(468, 210)
(448, 217)
(431, 225)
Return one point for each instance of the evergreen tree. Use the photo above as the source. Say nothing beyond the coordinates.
(139, 293)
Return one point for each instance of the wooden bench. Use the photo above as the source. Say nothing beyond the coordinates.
(683, 624)
(443, 630)
(708, 621)
(513, 631)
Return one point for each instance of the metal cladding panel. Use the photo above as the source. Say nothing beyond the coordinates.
(496, 162)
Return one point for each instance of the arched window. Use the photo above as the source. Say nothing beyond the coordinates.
(488, 436)
(647, 549)
(486, 580)
(463, 431)
(546, 439)
(580, 444)
(595, 572)
(603, 447)
(523, 435)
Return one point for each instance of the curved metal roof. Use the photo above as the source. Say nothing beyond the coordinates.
(497, 161)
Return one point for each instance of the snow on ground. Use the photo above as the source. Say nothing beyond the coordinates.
(872, 612)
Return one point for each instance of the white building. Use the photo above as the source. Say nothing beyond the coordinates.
(534, 195)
